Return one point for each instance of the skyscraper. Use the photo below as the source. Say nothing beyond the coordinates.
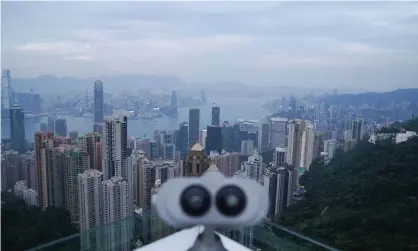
(216, 115)
(194, 125)
(292, 105)
(116, 210)
(88, 143)
(279, 156)
(6, 89)
(42, 141)
(278, 132)
(301, 139)
(264, 136)
(357, 129)
(295, 128)
(214, 139)
(307, 148)
(61, 127)
(183, 139)
(74, 161)
(115, 147)
(98, 103)
(17, 128)
(90, 207)
(51, 124)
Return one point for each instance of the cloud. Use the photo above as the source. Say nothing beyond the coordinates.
(359, 48)
(80, 58)
(212, 41)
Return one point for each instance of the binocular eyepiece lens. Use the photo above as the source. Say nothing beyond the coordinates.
(231, 201)
(195, 201)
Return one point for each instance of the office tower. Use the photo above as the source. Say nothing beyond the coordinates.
(116, 209)
(98, 102)
(203, 134)
(227, 163)
(90, 208)
(308, 138)
(279, 156)
(292, 106)
(167, 145)
(98, 127)
(214, 139)
(61, 127)
(329, 147)
(51, 124)
(278, 132)
(247, 147)
(216, 115)
(195, 163)
(6, 89)
(294, 146)
(42, 141)
(74, 161)
(73, 136)
(227, 137)
(115, 147)
(159, 229)
(89, 144)
(17, 129)
(183, 139)
(264, 136)
(194, 126)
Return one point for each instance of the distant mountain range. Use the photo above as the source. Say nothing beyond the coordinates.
(379, 99)
(50, 84)
(54, 84)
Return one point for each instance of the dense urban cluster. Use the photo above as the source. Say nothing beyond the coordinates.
(105, 177)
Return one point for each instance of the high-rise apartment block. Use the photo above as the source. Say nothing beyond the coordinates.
(227, 163)
(115, 147)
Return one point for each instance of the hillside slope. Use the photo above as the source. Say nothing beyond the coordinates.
(380, 99)
(365, 199)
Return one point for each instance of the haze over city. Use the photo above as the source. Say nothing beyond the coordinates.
(301, 117)
(346, 45)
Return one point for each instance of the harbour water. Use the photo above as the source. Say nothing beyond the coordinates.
(232, 109)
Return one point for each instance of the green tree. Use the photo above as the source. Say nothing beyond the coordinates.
(364, 199)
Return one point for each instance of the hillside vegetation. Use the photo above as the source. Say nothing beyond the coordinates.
(365, 199)
(24, 227)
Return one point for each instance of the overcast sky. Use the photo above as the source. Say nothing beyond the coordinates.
(328, 44)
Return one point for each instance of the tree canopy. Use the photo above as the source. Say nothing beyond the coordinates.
(364, 199)
(24, 227)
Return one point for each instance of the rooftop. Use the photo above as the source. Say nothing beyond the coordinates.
(197, 147)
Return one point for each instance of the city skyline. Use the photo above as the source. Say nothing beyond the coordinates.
(333, 44)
